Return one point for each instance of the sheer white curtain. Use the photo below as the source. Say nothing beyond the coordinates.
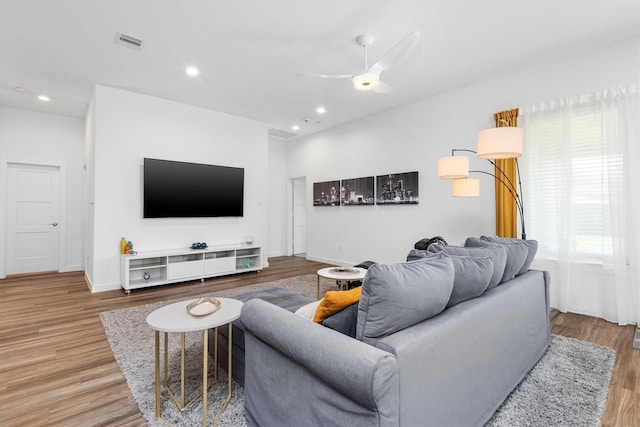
(581, 179)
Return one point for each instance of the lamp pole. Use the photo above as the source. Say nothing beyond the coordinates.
(507, 183)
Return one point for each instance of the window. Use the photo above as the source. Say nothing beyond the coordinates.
(574, 171)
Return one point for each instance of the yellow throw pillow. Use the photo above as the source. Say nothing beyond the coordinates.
(335, 301)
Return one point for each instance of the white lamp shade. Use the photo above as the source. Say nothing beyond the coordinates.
(500, 143)
(453, 167)
(466, 187)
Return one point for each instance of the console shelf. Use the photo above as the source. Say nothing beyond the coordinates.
(155, 268)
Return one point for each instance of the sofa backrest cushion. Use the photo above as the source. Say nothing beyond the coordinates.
(517, 253)
(470, 278)
(498, 255)
(396, 296)
(532, 249)
(416, 254)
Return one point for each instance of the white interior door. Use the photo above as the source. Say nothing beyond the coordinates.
(299, 216)
(33, 193)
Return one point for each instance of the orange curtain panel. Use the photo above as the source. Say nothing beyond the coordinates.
(506, 212)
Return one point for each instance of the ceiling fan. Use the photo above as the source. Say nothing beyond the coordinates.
(369, 78)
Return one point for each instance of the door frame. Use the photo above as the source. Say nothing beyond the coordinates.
(289, 225)
(62, 206)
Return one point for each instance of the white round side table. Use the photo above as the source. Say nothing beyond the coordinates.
(175, 318)
(343, 277)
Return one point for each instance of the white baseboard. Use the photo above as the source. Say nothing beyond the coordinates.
(103, 287)
(330, 260)
(275, 254)
(70, 268)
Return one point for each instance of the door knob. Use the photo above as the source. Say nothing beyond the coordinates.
(55, 224)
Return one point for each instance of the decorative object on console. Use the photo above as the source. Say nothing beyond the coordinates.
(505, 142)
(249, 239)
(146, 276)
(123, 244)
(199, 245)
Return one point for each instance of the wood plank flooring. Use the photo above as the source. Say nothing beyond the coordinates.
(56, 366)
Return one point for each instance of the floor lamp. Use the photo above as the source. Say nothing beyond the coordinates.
(495, 143)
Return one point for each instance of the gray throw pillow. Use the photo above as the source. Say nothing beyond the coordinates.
(498, 255)
(344, 321)
(516, 255)
(396, 296)
(532, 249)
(416, 254)
(471, 277)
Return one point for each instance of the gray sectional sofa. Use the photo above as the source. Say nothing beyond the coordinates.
(440, 341)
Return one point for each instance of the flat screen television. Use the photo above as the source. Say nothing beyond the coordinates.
(181, 190)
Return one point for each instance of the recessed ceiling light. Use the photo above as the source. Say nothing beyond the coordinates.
(192, 71)
(295, 127)
(321, 110)
(44, 98)
(20, 89)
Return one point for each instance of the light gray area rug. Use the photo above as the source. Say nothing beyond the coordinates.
(568, 387)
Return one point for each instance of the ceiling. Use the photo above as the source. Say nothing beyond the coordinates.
(248, 51)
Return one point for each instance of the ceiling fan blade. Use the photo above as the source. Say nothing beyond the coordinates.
(326, 76)
(397, 52)
(382, 87)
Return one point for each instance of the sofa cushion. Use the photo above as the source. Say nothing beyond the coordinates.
(471, 277)
(308, 310)
(516, 255)
(395, 296)
(416, 254)
(344, 321)
(335, 301)
(498, 254)
(532, 249)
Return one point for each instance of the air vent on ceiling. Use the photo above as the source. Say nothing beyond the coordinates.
(281, 133)
(129, 41)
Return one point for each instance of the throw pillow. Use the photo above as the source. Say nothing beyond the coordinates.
(396, 296)
(344, 321)
(335, 301)
(416, 254)
(532, 249)
(497, 253)
(516, 255)
(308, 310)
(471, 277)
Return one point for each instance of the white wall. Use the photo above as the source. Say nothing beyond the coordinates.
(415, 136)
(277, 197)
(129, 127)
(31, 137)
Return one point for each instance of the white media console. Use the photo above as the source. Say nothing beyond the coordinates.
(171, 266)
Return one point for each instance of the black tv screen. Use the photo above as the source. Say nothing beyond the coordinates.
(180, 190)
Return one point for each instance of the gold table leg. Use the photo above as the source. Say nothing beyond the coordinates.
(205, 370)
(229, 377)
(182, 372)
(157, 369)
(205, 374)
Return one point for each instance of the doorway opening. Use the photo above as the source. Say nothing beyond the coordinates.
(299, 216)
